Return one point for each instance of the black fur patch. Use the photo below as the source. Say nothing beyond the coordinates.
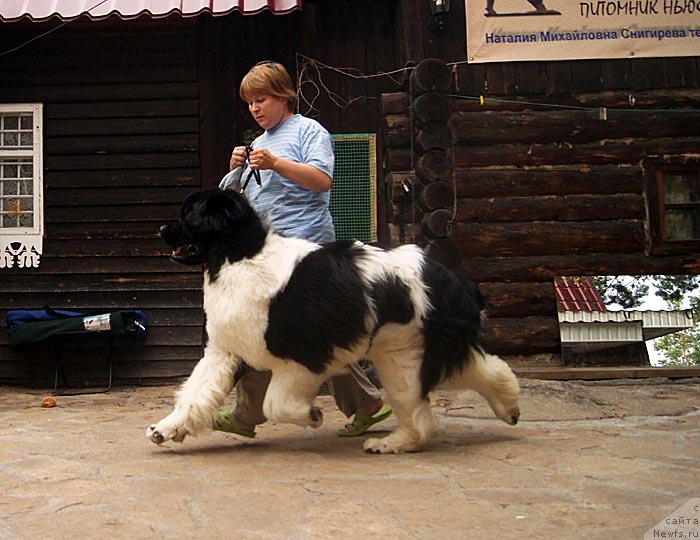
(392, 301)
(452, 326)
(322, 306)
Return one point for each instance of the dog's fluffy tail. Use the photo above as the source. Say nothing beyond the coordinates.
(492, 378)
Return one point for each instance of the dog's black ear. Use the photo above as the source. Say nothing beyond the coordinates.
(235, 207)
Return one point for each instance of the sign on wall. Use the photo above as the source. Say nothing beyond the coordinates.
(516, 30)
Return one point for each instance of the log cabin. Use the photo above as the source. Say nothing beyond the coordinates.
(131, 109)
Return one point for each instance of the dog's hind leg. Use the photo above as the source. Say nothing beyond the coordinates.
(400, 377)
(493, 379)
(198, 398)
(290, 396)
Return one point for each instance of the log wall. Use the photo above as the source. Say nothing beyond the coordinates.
(539, 191)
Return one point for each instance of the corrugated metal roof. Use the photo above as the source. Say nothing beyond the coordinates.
(42, 10)
(578, 294)
(625, 326)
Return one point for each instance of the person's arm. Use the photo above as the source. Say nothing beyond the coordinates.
(302, 174)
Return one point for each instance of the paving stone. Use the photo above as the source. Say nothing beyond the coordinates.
(586, 461)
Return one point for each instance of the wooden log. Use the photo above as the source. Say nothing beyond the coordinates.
(111, 300)
(522, 335)
(553, 154)
(486, 128)
(445, 251)
(120, 282)
(605, 373)
(430, 107)
(562, 180)
(566, 208)
(434, 166)
(433, 136)
(120, 177)
(397, 159)
(682, 98)
(437, 195)
(437, 224)
(121, 161)
(398, 130)
(520, 299)
(546, 268)
(121, 144)
(432, 74)
(550, 238)
(394, 103)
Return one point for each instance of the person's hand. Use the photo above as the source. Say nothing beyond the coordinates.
(262, 159)
(237, 157)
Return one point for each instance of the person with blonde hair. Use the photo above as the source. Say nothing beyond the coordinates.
(293, 160)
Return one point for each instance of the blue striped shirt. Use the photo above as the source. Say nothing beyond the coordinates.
(292, 210)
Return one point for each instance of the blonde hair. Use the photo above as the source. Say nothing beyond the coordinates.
(269, 78)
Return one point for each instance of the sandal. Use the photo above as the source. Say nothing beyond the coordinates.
(225, 421)
(362, 422)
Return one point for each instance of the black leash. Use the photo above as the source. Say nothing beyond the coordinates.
(253, 172)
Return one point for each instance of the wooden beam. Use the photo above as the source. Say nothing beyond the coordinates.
(597, 373)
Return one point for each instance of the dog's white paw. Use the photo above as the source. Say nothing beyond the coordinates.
(509, 414)
(162, 432)
(391, 444)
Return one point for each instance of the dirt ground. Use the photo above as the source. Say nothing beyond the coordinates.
(588, 460)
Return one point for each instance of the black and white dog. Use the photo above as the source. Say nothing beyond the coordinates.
(305, 311)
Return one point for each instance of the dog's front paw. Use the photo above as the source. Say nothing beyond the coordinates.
(161, 432)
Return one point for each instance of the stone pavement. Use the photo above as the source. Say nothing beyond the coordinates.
(588, 460)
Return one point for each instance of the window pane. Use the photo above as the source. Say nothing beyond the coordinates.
(25, 138)
(10, 138)
(683, 224)
(679, 189)
(10, 171)
(26, 170)
(26, 187)
(10, 188)
(10, 121)
(26, 122)
(17, 212)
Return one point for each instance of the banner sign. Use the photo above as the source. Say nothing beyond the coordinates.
(517, 30)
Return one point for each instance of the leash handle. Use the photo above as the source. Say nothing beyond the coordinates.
(253, 172)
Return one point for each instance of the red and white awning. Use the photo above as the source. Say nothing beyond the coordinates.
(42, 10)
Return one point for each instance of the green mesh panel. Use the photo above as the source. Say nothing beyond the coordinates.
(353, 196)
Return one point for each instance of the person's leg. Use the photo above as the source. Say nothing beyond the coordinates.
(355, 395)
(248, 413)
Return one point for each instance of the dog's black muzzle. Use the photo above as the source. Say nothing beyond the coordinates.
(185, 250)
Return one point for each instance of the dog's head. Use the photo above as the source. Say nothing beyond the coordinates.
(214, 226)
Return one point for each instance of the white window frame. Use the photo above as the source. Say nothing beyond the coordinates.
(22, 247)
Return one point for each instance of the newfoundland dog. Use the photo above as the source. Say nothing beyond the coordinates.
(305, 311)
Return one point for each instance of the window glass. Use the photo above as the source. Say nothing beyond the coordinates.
(683, 224)
(16, 193)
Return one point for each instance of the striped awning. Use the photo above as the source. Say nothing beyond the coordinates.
(42, 10)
